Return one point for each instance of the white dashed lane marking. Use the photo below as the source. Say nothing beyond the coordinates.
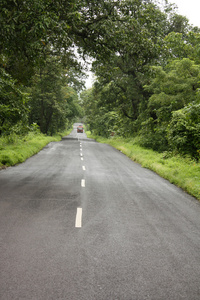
(78, 222)
(83, 182)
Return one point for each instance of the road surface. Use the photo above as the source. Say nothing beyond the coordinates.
(80, 220)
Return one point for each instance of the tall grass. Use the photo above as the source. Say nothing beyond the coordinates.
(181, 171)
(15, 149)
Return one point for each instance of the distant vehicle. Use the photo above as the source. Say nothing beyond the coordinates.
(80, 128)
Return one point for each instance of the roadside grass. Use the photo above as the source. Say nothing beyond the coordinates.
(181, 171)
(15, 149)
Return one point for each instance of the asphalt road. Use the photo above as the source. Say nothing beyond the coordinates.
(79, 220)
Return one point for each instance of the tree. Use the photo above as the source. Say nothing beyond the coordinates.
(139, 34)
(181, 45)
(33, 30)
(13, 106)
(101, 120)
(173, 88)
(183, 132)
(28, 27)
(125, 38)
(51, 100)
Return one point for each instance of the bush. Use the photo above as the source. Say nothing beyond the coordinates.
(152, 136)
(184, 131)
(156, 141)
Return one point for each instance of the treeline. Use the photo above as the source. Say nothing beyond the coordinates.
(145, 58)
(40, 75)
(47, 102)
(149, 88)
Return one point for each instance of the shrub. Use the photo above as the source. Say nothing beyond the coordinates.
(184, 131)
(152, 136)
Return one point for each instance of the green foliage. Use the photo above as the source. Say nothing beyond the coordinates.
(30, 28)
(138, 44)
(140, 31)
(52, 101)
(13, 105)
(101, 121)
(15, 149)
(183, 45)
(35, 37)
(184, 131)
(154, 139)
(173, 88)
(145, 58)
(176, 84)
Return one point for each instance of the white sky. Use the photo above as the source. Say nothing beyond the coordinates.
(190, 9)
(90, 80)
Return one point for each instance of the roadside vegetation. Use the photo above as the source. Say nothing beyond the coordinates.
(15, 149)
(184, 172)
(149, 89)
(146, 61)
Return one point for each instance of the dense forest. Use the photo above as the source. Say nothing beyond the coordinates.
(146, 59)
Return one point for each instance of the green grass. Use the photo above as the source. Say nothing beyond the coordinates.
(15, 149)
(181, 171)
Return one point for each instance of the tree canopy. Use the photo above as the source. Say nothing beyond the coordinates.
(145, 58)
(152, 72)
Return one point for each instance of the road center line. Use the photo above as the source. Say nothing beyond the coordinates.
(78, 222)
(83, 168)
(83, 182)
(81, 158)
